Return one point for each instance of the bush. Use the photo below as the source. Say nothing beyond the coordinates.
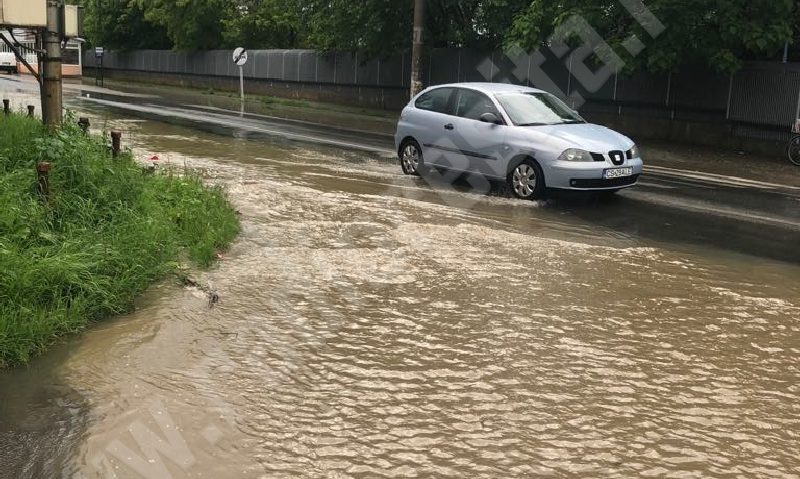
(109, 230)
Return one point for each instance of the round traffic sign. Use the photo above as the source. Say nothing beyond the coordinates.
(240, 56)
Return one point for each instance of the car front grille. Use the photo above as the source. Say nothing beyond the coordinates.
(617, 157)
(612, 183)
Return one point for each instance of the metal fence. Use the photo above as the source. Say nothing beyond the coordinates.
(306, 66)
(760, 95)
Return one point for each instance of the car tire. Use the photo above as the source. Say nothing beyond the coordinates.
(793, 151)
(526, 181)
(411, 159)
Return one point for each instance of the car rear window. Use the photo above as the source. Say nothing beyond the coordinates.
(437, 100)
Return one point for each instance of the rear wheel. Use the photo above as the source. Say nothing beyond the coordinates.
(526, 181)
(410, 157)
(793, 151)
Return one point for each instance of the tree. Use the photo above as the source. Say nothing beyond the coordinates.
(383, 27)
(480, 24)
(718, 33)
(374, 27)
(190, 24)
(262, 24)
(121, 25)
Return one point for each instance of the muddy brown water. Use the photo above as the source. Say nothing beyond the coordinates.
(372, 325)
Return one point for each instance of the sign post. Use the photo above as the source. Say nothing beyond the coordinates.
(240, 59)
(99, 76)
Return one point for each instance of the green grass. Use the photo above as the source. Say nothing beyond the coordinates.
(109, 230)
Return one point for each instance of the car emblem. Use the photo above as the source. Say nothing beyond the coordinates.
(617, 157)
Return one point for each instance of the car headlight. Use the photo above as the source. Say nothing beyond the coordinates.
(574, 154)
(634, 152)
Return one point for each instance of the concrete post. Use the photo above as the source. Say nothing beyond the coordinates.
(43, 180)
(51, 75)
(416, 52)
(83, 122)
(116, 142)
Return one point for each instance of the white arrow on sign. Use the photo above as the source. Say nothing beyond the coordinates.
(240, 56)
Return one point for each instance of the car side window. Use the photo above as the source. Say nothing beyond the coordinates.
(472, 104)
(437, 100)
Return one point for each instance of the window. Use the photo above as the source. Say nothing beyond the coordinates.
(70, 56)
(472, 104)
(436, 100)
(528, 109)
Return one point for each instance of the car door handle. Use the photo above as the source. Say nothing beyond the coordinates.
(449, 126)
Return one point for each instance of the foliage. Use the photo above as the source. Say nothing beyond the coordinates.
(380, 27)
(373, 27)
(478, 24)
(121, 25)
(190, 24)
(720, 33)
(109, 230)
(263, 23)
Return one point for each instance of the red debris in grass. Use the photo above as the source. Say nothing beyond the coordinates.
(154, 158)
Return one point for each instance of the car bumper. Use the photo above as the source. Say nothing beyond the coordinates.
(589, 176)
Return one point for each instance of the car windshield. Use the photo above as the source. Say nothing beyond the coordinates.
(529, 109)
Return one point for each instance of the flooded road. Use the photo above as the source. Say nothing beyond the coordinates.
(374, 325)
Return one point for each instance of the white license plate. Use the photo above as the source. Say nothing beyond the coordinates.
(617, 173)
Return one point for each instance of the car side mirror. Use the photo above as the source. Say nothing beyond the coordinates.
(490, 117)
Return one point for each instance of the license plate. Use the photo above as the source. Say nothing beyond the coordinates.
(617, 173)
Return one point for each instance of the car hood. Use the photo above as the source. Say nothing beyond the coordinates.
(586, 136)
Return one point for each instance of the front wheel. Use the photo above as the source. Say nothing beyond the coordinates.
(793, 150)
(526, 181)
(410, 157)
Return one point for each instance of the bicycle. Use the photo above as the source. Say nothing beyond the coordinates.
(793, 150)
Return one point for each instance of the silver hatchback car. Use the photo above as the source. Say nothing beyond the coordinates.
(526, 137)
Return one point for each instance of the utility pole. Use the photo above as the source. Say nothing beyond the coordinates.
(51, 66)
(416, 52)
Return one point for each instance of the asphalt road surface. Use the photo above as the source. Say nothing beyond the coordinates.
(677, 204)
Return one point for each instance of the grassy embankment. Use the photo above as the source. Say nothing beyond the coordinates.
(109, 230)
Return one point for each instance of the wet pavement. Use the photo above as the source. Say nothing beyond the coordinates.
(376, 325)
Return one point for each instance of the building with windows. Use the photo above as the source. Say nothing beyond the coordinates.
(72, 65)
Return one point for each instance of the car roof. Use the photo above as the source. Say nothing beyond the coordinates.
(490, 87)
